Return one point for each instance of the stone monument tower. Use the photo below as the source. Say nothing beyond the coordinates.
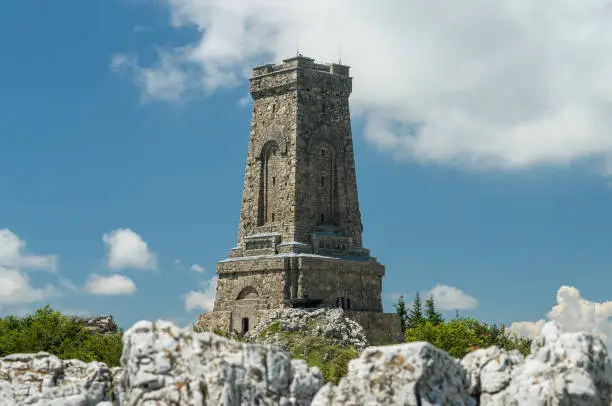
(299, 238)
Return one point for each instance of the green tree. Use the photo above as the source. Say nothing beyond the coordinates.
(415, 316)
(431, 314)
(464, 334)
(402, 312)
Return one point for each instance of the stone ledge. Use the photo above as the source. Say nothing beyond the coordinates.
(300, 255)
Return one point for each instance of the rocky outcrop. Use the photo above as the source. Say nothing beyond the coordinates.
(164, 365)
(98, 324)
(42, 379)
(327, 323)
(405, 374)
(562, 369)
(570, 369)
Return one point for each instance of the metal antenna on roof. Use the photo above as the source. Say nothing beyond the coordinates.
(340, 55)
(297, 46)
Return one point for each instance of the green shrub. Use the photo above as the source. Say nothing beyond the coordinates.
(453, 337)
(64, 337)
(329, 356)
(332, 359)
(459, 336)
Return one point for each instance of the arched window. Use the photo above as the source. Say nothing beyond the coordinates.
(247, 293)
(324, 183)
(268, 183)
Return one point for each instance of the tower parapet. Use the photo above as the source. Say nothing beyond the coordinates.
(303, 63)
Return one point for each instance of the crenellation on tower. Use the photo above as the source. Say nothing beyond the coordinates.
(301, 62)
(300, 230)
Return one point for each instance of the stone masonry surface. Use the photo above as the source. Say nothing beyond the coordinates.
(165, 365)
(300, 230)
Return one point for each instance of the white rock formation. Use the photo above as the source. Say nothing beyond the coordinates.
(99, 324)
(42, 379)
(329, 323)
(164, 365)
(562, 369)
(404, 374)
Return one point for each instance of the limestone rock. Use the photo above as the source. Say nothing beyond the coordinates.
(43, 379)
(165, 365)
(162, 363)
(99, 324)
(411, 374)
(329, 323)
(562, 369)
(490, 370)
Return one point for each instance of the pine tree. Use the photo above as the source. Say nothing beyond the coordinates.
(431, 314)
(400, 309)
(415, 317)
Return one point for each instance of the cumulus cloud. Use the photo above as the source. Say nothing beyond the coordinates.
(13, 255)
(164, 81)
(109, 285)
(197, 268)
(445, 297)
(574, 314)
(506, 84)
(126, 249)
(451, 298)
(68, 284)
(204, 298)
(15, 289)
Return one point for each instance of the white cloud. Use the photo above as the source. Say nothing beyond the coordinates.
(110, 285)
(527, 328)
(450, 298)
(204, 299)
(445, 298)
(574, 314)
(15, 289)
(505, 84)
(164, 81)
(126, 249)
(68, 284)
(197, 268)
(12, 254)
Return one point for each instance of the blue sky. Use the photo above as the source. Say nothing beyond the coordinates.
(131, 115)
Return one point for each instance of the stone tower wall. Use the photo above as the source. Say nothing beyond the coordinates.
(266, 276)
(323, 130)
(300, 170)
(360, 282)
(300, 233)
(267, 198)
